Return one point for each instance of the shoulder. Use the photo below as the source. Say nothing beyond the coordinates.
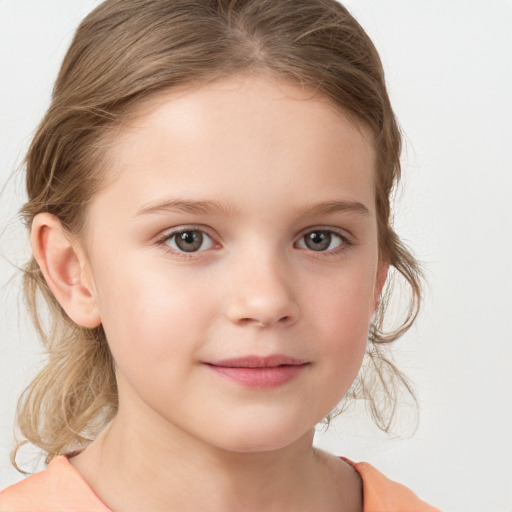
(58, 487)
(384, 495)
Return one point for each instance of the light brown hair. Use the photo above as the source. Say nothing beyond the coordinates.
(125, 52)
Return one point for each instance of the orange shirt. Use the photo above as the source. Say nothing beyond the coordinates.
(60, 487)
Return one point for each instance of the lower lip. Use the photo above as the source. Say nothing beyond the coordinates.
(260, 378)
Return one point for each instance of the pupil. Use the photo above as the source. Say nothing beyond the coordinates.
(318, 240)
(189, 241)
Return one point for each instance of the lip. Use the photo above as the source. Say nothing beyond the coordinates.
(259, 372)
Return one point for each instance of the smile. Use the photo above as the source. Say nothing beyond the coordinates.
(259, 372)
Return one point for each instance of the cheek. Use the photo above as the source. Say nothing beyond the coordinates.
(150, 317)
(344, 303)
(343, 309)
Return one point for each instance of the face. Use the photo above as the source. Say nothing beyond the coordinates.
(233, 258)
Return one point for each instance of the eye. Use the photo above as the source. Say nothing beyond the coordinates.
(321, 240)
(189, 240)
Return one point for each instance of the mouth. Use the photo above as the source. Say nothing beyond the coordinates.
(272, 361)
(259, 372)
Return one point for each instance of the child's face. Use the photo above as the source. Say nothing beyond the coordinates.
(279, 258)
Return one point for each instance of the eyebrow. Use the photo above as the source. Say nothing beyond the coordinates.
(186, 206)
(335, 206)
(217, 208)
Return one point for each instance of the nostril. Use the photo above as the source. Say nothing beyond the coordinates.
(262, 310)
(265, 322)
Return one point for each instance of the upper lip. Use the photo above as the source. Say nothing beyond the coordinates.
(259, 361)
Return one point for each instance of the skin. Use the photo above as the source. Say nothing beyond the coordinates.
(186, 438)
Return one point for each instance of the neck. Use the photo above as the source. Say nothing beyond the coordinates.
(133, 467)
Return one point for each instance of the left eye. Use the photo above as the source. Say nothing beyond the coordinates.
(321, 240)
(190, 240)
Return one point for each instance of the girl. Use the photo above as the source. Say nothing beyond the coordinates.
(209, 206)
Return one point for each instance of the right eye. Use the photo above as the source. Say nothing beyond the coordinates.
(188, 240)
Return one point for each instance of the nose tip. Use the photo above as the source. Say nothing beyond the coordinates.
(264, 304)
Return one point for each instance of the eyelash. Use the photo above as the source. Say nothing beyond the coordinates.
(166, 237)
(345, 241)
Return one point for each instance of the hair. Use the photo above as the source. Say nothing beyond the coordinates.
(124, 53)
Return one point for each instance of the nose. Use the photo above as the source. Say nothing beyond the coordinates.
(263, 294)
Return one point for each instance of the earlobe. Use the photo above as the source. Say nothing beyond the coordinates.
(62, 266)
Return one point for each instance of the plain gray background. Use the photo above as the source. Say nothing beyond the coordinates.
(449, 70)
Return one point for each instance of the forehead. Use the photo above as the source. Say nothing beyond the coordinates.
(268, 136)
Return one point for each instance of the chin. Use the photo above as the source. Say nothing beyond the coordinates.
(261, 437)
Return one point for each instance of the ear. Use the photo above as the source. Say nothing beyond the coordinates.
(63, 265)
(380, 281)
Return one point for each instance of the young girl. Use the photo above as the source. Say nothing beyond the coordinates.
(209, 206)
